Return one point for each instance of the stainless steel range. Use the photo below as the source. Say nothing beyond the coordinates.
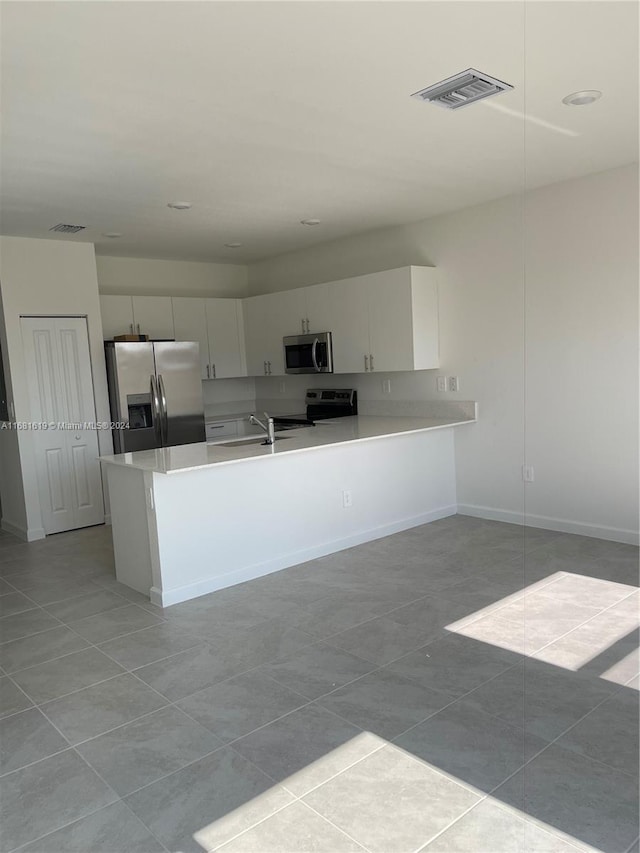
(322, 404)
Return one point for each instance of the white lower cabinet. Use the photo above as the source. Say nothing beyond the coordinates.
(221, 429)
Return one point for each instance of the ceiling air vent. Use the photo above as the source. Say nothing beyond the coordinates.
(67, 229)
(462, 89)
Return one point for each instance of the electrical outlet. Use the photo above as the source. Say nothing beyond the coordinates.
(453, 384)
(282, 387)
(347, 500)
(441, 383)
(386, 386)
(527, 473)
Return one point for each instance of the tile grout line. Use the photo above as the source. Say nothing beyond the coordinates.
(317, 642)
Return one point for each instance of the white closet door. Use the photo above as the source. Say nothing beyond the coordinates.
(82, 443)
(61, 391)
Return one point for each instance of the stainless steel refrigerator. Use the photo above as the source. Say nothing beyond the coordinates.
(156, 388)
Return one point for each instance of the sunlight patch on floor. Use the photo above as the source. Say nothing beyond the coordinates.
(568, 620)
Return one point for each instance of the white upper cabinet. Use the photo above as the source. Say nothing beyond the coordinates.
(218, 327)
(137, 315)
(190, 324)
(225, 327)
(263, 334)
(320, 309)
(153, 316)
(117, 316)
(386, 321)
(350, 326)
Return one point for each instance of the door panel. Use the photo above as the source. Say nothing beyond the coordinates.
(320, 308)
(82, 494)
(390, 321)
(82, 441)
(190, 324)
(56, 479)
(61, 391)
(46, 398)
(225, 346)
(350, 325)
(117, 316)
(178, 371)
(153, 316)
(46, 403)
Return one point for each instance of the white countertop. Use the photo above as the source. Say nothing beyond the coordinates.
(189, 457)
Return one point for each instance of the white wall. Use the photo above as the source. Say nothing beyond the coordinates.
(539, 319)
(56, 278)
(149, 277)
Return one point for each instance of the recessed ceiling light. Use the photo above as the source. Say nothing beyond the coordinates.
(233, 245)
(309, 222)
(112, 234)
(581, 99)
(180, 205)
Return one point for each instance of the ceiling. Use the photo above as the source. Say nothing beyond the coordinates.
(265, 113)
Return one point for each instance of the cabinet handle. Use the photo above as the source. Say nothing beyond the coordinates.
(208, 377)
(131, 327)
(269, 363)
(303, 328)
(264, 364)
(138, 327)
(366, 363)
(213, 370)
(307, 325)
(370, 361)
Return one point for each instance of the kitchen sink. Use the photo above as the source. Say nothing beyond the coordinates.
(252, 441)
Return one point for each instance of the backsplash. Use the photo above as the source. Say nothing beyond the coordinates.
(229, 396)
(412, 394)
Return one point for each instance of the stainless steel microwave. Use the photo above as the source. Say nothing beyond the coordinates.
(308, 353)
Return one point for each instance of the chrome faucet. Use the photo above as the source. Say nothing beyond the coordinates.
(268, 427)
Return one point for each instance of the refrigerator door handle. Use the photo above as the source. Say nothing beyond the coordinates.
(157, 421)
(164, 422)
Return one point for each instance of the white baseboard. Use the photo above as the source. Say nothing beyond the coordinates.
(561, 525)
(27, 535)
(165, 598)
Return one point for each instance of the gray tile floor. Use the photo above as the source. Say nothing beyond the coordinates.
(464, 686)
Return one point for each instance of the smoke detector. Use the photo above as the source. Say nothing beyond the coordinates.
(462, 89)
(62, 228)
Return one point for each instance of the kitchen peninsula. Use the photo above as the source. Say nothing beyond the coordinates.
(195, 518)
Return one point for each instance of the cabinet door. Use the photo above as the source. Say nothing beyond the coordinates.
(390, 320)
(117, 316)
(286, 313)
(254, 310)
(350, 325)
(153, 316)
(226, 344)
(320, 308)
(190, 324)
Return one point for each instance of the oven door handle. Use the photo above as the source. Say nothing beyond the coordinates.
(314, 358)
